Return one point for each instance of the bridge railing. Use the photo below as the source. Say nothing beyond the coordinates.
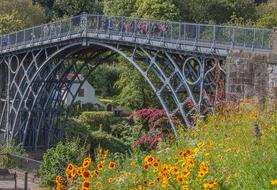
(213, 36)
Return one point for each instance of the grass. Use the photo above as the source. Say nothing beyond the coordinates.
(234, 148)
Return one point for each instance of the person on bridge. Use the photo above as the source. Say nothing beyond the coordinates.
(5, 40)
(45, 31)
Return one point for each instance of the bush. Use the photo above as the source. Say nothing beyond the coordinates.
(97, 120)
(57, 158)
(5, 162)
(95, 138)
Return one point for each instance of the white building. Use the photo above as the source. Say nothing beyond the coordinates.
(85, 95)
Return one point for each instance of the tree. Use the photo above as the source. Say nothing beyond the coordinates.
(23, 10)
(9, 23)
(119, 7)
(135, 92)
(103, 80)
(60, 8)
(267, 15)
(157, 9)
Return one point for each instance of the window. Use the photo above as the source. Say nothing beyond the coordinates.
(81, 92)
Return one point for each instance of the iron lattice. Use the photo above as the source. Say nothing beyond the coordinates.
(186, 75)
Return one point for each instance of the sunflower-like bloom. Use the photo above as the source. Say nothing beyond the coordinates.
(106, 153)
(151, 184)
(110, 180)
(86, 175)
(180, 179)
(96, 173)
(69, 167)
(156, 164)
(99, 184)
(203, 170)
(174, 170)
(86, 185)
(86, 162)
(58, 179)
(112, 165)
(185, 173)
(80, 170)
(210, 185)
(148, 159)
(146, 167)
(99, 154)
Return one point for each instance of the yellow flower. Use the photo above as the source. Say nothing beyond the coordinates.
(106, 153)
(112, 165)
(174, 170)
(69, 176)
(185, 173)
(86, 175)
(127, 174)
(58, 179)
(110, 180)
(164, 183)
(180, 179)
(148, 159)
(96, 173)
(99, 154)
(151, 184)
(146, 167)
(86, 162)
(70, 167)
(210, 185)
(156, 164)
(185, 187)
(274, 182)
(86, 185)
(191, 163)
(80, 170)
(98, 184)
(132, 164)
(100, 167)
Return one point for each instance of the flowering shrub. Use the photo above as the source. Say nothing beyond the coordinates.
(155, 127)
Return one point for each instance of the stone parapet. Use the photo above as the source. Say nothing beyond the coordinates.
(251, 74)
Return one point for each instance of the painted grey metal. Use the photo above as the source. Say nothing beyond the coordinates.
(173, 35)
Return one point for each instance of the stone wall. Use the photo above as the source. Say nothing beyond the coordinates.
(252, 74)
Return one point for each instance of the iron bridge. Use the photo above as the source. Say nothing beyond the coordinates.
(182, 62)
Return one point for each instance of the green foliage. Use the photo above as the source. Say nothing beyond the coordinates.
(268, 21)
(103, 80)
(78, 108)
(157, 9)
(135, 92)
(57, 158)
(26, 12)
(127, 132)
(268, 15)
(96, 138)
(61, 8)
(119, 7)
(107, 141)
(6, 149)
(9, 23)
(97, 120)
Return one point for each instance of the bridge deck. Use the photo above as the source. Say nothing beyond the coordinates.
(209, 39)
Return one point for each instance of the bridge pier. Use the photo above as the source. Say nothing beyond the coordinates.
(252, 74)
